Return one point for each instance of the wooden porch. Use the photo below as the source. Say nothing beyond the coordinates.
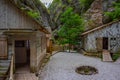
(23, 73)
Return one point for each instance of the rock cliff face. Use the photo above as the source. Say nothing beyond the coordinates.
(36, 6)
(59, 6)
(93, 12)
(94, 15)
(107, 6)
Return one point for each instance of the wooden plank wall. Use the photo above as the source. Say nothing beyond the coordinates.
(3, 48)
(12, 17)
(40, 46)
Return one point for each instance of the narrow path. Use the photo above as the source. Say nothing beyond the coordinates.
(106, 56)
(62, 67)
(23, 73)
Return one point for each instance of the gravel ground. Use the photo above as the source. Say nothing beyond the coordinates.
(62, 67)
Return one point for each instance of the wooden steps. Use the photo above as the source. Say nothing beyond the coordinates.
(4, 67)
(106, 56)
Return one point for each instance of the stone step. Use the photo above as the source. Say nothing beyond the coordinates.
(5, 64)
(3, 75)
(106, 56)
(4, 67)
(4, 72)
(5, 61)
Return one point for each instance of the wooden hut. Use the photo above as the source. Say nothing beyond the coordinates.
(21, 36)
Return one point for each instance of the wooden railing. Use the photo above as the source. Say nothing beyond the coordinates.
(11, 69)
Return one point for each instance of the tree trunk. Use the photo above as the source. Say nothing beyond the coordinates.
(69, 45)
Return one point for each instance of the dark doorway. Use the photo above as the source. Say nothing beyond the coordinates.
(105, 43)
(28, 51)
(22, 53)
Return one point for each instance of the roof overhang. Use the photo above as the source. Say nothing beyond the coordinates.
(98, 28)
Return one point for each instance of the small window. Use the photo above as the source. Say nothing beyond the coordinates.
(20, 43)
(113, 38)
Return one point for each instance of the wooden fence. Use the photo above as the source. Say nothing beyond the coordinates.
(59, 48)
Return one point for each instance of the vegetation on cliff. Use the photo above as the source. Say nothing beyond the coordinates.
(115, 12)
(69, 20)
(58, 7)
(72, 26)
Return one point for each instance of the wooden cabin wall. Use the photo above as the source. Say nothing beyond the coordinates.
(111, 31)
(33, 53)
(40, 46)
(3, 47)
(13, 18)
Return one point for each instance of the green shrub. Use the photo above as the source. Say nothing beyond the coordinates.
(86, 3)
(115, 14)
(115, 56)
(33, 14)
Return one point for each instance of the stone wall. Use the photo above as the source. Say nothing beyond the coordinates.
(93, 15)
(110, 31)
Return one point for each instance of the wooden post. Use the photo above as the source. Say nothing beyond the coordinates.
(50, 47)
(11, 68)
(33, 55)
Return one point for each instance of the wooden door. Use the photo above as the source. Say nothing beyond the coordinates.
(20, 52)
(3, 48)
(99, 43)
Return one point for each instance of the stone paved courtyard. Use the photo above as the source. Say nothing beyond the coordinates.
(62, 67)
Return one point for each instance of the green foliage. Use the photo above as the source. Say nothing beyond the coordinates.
(33, 14)
(71, 27)
(86, 4)
(116, 56)
(114, 14)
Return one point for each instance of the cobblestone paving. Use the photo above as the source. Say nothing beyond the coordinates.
(62, 67)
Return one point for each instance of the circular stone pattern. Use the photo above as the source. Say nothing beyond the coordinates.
(86, 70)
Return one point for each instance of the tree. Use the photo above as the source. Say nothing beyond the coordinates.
(71, 28)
